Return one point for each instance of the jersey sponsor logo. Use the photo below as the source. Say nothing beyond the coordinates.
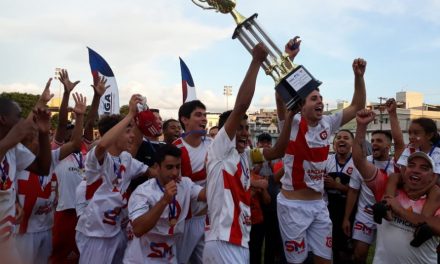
(323, 135)
(328, 241)
(111, 216)
(44, 209)
(363, 228)
(403, 222)
(160, 250)
(316, 175)
(295, 246)
(368, 210)
(349, 170)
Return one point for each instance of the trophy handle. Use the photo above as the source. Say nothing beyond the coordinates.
(202, 6)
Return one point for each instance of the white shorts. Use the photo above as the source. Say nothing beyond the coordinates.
(191, 243)
(222, 252)
(35, 247)
(305, 226)
(100, 249)
(364, 232)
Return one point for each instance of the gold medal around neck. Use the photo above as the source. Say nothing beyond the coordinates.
(338, 180)
(173, 222)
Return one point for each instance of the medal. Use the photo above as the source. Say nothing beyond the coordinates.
(173, 221)
(338, 180)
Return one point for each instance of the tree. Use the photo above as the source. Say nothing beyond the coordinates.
(123, 110)
(25, 101)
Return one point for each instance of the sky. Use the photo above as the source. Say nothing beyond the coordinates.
(142, 42)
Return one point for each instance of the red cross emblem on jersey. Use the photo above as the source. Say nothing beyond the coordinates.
(32, 190)
(300, 149)
(239, 194)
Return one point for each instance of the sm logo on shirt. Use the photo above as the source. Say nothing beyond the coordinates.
(160, 250)
(362, 227)
(295, 246)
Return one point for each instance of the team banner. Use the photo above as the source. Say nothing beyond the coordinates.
(188, 88)
(109, 103)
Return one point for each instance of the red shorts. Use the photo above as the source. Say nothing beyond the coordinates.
(63, 237)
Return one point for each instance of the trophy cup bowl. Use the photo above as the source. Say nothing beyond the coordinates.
(292, 82)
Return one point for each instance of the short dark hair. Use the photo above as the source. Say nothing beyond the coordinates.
(167, 123)
(154, 110)
(224, 116)
(264, 137)
(187, 108)
(214, 127)
(6, 105)
(346, 130)
(106, 123)
(167, 150)
(387, 134)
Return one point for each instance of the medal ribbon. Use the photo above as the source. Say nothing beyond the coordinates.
(3, 169)
(172, 208)
(341, 166)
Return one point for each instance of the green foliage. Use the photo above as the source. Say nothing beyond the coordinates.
(25, 100)
(54, 121)
(123, 110)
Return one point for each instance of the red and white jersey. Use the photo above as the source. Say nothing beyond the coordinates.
(158, 245)
(101, 217)
(37, 196)
(193, 166)
(434, 154)
(366, 199)
(393, 237)
(228, 192)
(307, 152)
(69, 173)
(16, 159)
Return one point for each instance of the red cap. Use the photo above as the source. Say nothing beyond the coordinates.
(146, 122)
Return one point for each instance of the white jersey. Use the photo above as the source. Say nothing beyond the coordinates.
(366, 199)
(340, 173)
(81, 202)
(158, 244)
(37, 196)
(307, 152)
(193, 166)
(434, 154)
(101, 218)
(69, 173)
(16, 159)
(228, 195)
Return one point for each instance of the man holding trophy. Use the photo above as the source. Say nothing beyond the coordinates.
(303, 215)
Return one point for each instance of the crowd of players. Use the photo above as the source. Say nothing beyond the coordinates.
(203, 196)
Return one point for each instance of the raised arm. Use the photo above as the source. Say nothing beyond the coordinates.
(62, 121)
(396, 132)
(75, 141)
(18, 133)
(99, 89)
(113, 134)
(365, 168)
(359, 96)
(278, 150)
(42, 162)
(246, 91)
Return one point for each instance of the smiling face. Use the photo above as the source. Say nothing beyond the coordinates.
(125, 140)
(242, 136)
(380, 145)
(196, 121)
(418, 174)
(172, 132)
(418, 138)
(313, 108)
(343, 142)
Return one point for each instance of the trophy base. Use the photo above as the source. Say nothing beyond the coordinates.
(295, 86)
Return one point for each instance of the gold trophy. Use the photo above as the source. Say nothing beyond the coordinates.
(292, 82)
